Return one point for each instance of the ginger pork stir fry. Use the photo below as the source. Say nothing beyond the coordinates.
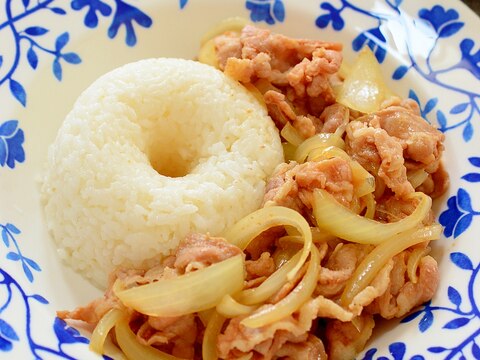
(340, 242)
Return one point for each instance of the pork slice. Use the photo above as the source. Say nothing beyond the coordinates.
(200, 250)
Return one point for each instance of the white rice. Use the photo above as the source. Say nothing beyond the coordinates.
(106, 201)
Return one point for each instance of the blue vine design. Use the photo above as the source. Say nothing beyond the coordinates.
(269, 11)
(9, 231)
(459, 214)
(31, 36)
(30, 41)
(124, 14)
(11, 144)
(444, 23)
(397, 350)
(10, 333)
(463, 312)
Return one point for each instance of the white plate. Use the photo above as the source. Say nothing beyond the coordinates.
(52, 49)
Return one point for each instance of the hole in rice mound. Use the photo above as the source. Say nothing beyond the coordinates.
(150, 152)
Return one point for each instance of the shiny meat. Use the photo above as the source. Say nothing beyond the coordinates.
(299, 71)
(292, 184)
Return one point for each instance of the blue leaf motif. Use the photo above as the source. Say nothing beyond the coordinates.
(461, 260)
(450, 29)
(32, 58)
(183, 3)
(57, 69)
(468, 132)
(436, 349)
(457, 323)
(458, 109)
(13, 256)
(72, 58)
(7, 331)
(58, 11)
(462, 225)
(40, 299)
(454, 296)
(369, 354)
(8, 128)
(279, 10)
(28, 272)
(441, 119)
(18, 92)
(36, 30)
(426, 321)
(397, 350)
(5, 238)
(400, 72)
(5, 345)
(429, 106)
(476, 351)
(12, 228)
(1, 60)
(475, 161)
(61, 41)
(471, 177)
(417, 357)
(26, 3)
(3, 152)
(32, 264)
(464, 201)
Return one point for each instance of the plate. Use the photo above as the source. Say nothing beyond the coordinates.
(50, 50)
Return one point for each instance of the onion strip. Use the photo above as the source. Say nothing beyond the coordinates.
(245, 230)
(229, 307)
(413, 261)
(291, 134)
(209, 343)
(270, 286)
(318, 141)
(290, 303)
(335, 218)
(100, 333)
(378, 257)
(195, 291)
(132, 349)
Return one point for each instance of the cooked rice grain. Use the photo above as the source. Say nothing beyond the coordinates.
(150, 152)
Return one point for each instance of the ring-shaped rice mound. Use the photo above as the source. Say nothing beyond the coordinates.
(150, 152)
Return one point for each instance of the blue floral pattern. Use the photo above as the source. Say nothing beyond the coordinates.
(11, 333)
(38, 45)
(11, 144)
(445, 23)
(269, 11)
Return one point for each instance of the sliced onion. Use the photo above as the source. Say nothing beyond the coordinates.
(248, 228)
(270, 286)
(213, 329)
(378, 257)
(291, 134)
(229, 307)
(132, 349)
(338, 220)
(100, 333)
(195, 291)
(290, 303)
(364, 87)
(318, 141)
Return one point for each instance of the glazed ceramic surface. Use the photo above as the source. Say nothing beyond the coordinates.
(50, 50)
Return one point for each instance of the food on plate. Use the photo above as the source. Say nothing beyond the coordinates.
(151, 152)
(341, 239)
